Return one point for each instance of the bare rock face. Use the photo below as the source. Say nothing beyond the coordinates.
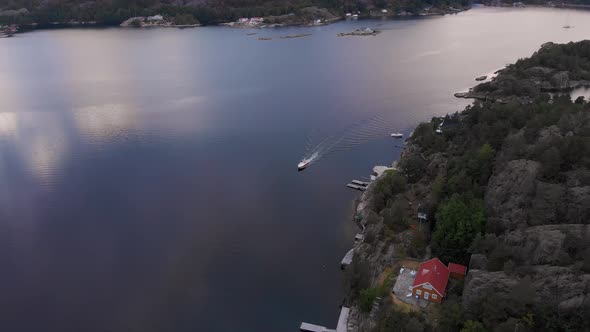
(510, 193)
(480, 283)
(543, 273)
(545, 284)
(538, 244)
(578, 204)
(548, 134)
(478, 262)
(547, 204)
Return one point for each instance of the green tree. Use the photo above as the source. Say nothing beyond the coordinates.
(414, 167)
(367, 296)
(389, 185)
(450, 317)
(473, 326)
(485, 158)
(414, 325)
(458, 222)
(395, 217)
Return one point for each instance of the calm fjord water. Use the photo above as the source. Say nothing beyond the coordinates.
(148, 177)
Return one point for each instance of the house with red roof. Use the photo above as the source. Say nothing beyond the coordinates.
(432, 279)
(457, 271)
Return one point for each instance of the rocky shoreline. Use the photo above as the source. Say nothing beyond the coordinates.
(525, 84)
(536, 240)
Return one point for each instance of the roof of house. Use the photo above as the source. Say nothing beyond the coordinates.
(435, 273)
(457, 268)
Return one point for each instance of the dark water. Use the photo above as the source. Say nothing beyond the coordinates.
(147, 177)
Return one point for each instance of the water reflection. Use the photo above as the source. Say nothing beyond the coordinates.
(147, 176)
(100, 123)
(8, 124)
(38, 139)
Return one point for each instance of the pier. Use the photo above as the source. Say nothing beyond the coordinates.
(347, 260)
(358, 185)
(306, 327)
(341, 327)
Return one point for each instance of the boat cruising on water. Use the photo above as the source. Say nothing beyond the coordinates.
(303, 164)
(306, 161)
(397, 135)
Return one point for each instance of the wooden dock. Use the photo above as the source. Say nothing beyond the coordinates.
(360, 183)
(356, 187)
(347, 260)
(306, 327)
(341, 327)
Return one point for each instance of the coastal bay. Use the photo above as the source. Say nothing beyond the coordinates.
(156, 188)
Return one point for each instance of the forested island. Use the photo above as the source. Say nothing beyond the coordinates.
(505, 190)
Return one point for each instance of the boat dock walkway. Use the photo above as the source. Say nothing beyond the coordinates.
(347, 260)
(358, 185)
(306, 327)
(341, 327)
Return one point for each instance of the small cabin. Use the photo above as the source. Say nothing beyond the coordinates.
(457, 271)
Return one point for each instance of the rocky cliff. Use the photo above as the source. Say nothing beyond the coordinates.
(527, 165)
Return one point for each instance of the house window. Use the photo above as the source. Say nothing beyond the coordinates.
(418, 292)
(434, 296)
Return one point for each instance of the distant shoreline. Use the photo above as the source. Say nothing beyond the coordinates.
(374, 14)
(299, 23)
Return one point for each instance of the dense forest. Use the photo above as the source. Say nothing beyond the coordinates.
(508, 187)
(112, 12)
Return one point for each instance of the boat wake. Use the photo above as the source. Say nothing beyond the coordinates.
(348, 138)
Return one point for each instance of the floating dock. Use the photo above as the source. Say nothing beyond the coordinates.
(306, 327)
(341, 327)
(360, 183)
(347, 260)
(356, 187)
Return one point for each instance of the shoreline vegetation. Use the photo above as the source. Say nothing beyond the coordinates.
(504, 186)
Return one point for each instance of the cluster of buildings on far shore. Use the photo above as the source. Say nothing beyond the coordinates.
(252, 21)
(7, 30)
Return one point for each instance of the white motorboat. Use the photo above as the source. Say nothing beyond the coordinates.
(303, 164)
(306, 161)
(397, 135)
